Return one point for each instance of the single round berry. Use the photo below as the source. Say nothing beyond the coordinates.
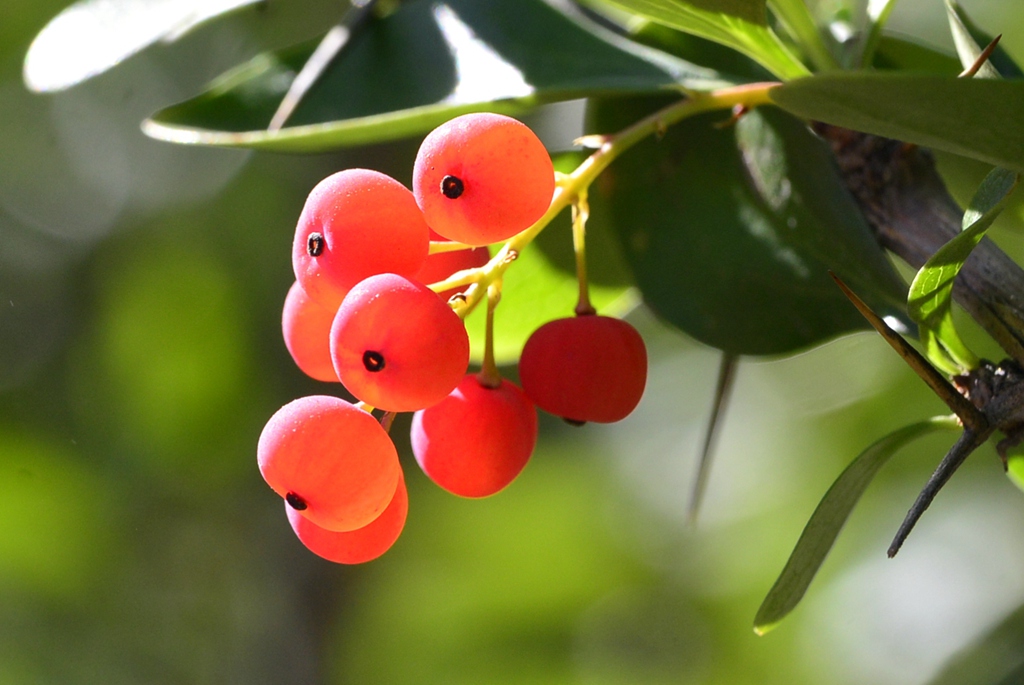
(396, 345)
(441, 265)
(356, 223)
(330, 460)
(306, 325)
(585, 368)
(355, 546)
(478, 439)
(481, 178)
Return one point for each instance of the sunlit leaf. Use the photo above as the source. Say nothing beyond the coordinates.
(739, 24)
(731, 232)
(970, 40)
(92, 36)
(828, 519)
(1015, 469)
(967, 47)
(420, 66)
(931, 294)
(975, 118)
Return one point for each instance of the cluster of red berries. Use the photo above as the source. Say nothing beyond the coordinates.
(359, 313)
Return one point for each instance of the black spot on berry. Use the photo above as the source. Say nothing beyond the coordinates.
(574, 422)
(295, 502)
(315, 244)
(373, 361)
(452, 187)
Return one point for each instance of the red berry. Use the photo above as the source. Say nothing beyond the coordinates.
(482, 178)
(585, 368)
(356, 223)
(307, 334)
(355, 546)
(440, 266)
(330, 460)
(396, 345)
(477, 440)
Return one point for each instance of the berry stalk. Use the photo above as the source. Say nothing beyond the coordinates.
(571, 186)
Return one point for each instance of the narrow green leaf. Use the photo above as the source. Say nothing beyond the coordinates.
(828, 519)
(796, 17)
(420, 66)
(966, 47)
(929, 302)
(92, 36)
(731, 232)
(971, 34)
(977, 118)
(739, 24)
(878, 16)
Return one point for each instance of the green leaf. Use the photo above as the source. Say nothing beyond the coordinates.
(739, 24)
(994, 658)
(966, 47)
(828, 519)
(878, 12)
(906, 55)
(975, 118)
(970, 40)
(92, 36)
(929, 302)
(1015, 469)
(420, 66)
(731, 232)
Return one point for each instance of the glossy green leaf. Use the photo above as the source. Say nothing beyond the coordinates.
(970, 40)
(931, 294)
(739, 24)
(828, 519)
(92, 36)
(425, 63)
(976, 118)
(731, 232)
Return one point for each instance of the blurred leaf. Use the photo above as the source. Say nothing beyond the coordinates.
(420, 66)
(972, 117)
(731, 232)
(92, 36)
(970, 40)
(931, 294)
(738, 24)
(878, 12)
(828, 519)
(1015, 469)
(995, 658)
(55, 537)
(966, 47)
(906, 55)
(733, 65)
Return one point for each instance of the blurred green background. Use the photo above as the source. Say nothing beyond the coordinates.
(140, 355)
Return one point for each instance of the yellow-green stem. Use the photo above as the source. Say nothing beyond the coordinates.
(489, 375)
(580, 214)
(570, 186)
